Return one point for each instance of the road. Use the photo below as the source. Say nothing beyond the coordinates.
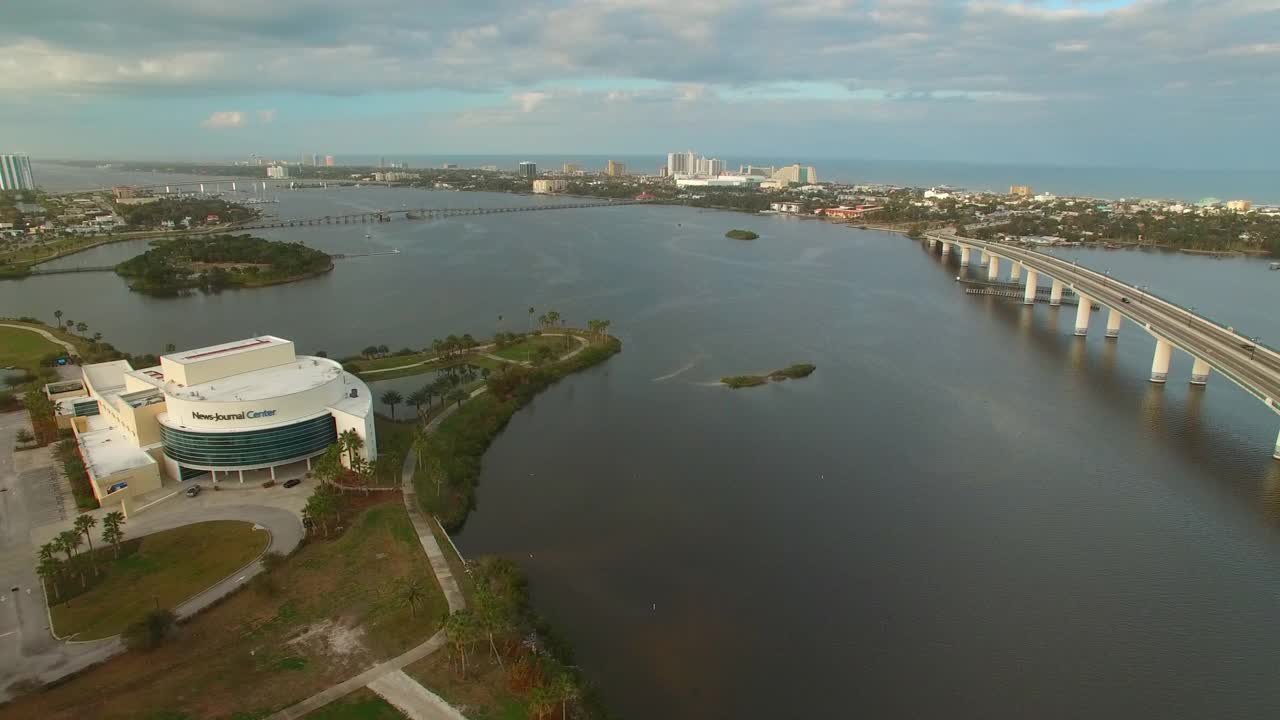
(1258, 372)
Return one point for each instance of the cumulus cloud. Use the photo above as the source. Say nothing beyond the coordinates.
(224, 119)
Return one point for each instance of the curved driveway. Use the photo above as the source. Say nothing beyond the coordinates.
(1257, 372)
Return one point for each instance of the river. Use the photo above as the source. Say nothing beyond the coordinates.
(964, 512)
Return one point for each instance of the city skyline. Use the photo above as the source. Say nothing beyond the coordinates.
(987, 81)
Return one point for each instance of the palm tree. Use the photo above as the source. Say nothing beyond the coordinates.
(350, 441)
(418, 398)
(49, 568)
(530, 318)
(410, 591)
(97, 338)
(71, 540)
(392, 398)
(170, 347)
(553, 318)
(566, 690)
(460, 628)
(57, 315)
(111, 530)
(457, 396)
(82, 327)
(493, 614)
(421, 446)
(83, 524)
(70, 324)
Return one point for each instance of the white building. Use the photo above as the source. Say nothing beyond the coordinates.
(278, 171)
(15, 173)
(245, 410)
(785, 207)
(741, 181)
(550, 185)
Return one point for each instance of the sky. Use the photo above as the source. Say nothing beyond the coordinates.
(1127, 83)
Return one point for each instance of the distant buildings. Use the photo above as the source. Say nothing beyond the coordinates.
(122, 192)
(278, 171)
(785, 207)
(733, 181)
(528, 170)
(328, 161)
(1021, 190)
(572, 168)
(309, 159)
(691, 164)
(794, 175)
(1239, 205)
(615, 169)
(394, 176)
(552, 185)
(15, 173)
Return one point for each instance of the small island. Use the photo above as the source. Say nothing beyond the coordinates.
(798, 370)
(176, 267)
(741, 235)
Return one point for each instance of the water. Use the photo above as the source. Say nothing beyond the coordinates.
(965, 512)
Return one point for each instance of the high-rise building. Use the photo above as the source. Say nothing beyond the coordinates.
(715, 167)
(528, 170)
(309, 159)
(278, 171)
(328, 161)
(795, 175)
(1020, 190)
(615, 169)
(571, 168)
(1240, 205)
(685, 163)
(15, 173)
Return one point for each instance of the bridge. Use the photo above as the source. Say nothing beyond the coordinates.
(1242, 360)
(424, 214)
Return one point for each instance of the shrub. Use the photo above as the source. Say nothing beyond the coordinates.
(151, 631)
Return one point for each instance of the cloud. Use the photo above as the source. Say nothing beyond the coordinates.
(267, 116)
(529, 101)
(224, 119)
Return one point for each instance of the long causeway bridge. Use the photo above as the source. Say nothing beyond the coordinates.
(1243, 360)
(375, 216)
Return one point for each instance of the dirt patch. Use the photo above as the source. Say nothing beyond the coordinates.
(339, 641)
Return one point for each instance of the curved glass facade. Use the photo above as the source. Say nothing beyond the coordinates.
(249, 447)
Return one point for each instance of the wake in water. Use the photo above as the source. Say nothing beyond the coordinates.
(683, 369)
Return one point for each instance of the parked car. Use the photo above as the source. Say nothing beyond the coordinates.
(193, 491)
(1124, 300)
(291, 483)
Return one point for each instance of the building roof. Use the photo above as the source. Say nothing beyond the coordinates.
(106, 377)
(300, 375)
(107, 450)
(229, 348)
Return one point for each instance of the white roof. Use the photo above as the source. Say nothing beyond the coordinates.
(302, 374)
(108, 376)
(108, 451)
(224, 349)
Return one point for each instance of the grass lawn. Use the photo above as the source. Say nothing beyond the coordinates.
(523, 350)
(389, 362)
(24, 348)
(332, 615)
(163, 569)
(363, 704)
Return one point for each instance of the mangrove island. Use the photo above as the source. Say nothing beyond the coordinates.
(176, 267)
(798, 370)
(741, 235)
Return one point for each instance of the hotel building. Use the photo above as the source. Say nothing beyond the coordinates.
(245, 410)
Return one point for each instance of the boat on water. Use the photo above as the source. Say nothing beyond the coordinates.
(1275, 266)
(367, 236)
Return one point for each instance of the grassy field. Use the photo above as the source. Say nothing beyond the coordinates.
(161, 570)
(333, 614)
(23, 348)
(389, 362)
(523, 351)
(363, 704)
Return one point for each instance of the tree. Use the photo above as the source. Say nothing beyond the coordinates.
(24, 436)
(57, 314)
(553, 318)
(149, 632)
(410, 591)
(460, 628)
(531, 318)
(170, 347)
(351, 442)
(916, 231)
(70, 324)
(83, 524)
(370, 351)
(457, 396)
(112, 532)
(392, 398)
(328, 466)
(418, 398)
(82, 327)
(384, 350)
(566, 690)
(542, 702)
(97, 338)
(70, 541)
(494, 615)
(49, 568)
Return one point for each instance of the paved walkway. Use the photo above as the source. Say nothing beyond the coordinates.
(410, 698)
(71, 349)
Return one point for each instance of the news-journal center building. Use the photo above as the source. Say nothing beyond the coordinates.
(245, 410)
